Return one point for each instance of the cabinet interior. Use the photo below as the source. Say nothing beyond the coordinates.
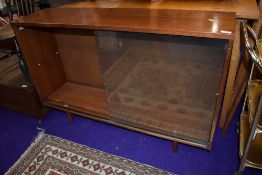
(160, 83)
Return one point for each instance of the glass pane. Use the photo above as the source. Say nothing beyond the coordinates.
(166, 84)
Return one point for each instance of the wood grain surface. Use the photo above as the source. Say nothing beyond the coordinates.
(83, 98)
(243, 8)
(41, 54)
(67, 74)
(174, 22)
(232, 72)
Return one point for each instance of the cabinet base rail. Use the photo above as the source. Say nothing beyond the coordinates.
(175, 141)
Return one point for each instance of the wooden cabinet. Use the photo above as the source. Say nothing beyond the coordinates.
(160, 72)
(15, 94)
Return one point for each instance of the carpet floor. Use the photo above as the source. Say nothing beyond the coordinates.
(17, 132)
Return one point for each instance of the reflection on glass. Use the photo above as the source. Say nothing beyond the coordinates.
(163, 83)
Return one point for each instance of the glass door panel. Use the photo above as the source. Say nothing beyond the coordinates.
(162, 83)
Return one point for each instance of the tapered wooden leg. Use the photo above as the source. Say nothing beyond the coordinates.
(70, 117)
(175, 146)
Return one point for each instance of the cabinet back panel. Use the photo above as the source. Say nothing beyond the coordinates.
(40, 52)
(79, 56)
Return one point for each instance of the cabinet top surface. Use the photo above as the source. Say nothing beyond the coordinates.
(243, 8)
(174, 22)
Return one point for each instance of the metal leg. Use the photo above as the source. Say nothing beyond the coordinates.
(22, 63)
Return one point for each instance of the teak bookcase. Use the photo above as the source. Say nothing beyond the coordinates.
(159, 72)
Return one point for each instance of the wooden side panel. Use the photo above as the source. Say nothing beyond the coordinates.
(79, 57)
(233, 68)
(222, 86)
(40, 51)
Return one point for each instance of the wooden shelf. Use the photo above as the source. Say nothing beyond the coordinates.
(80, 98)
(173, 22)
(254, 158)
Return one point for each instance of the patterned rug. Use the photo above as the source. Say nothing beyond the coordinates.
(50, 155)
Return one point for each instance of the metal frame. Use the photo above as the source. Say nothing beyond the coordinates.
(257, 61)
(254, 54)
